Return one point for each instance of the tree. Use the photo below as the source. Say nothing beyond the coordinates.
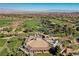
(77, 28)
(46, 26)
(7, 29)
(55, 50)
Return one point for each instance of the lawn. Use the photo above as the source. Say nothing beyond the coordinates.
(60, 34)
(4, 22)
(14, 43)
(76, 35)
(42, 54)
(31, 24)
(57, 21)
(2, 42)
(4, 52)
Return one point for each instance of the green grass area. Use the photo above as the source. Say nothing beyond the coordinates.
(4, 22)
(2, 42)
(4, 52)
(14, 43)
(20, 53)
(65, 42)
(60, 34)
(31, 24)
(76, 34)
(56, 21)
(42, 54)
(60, 22)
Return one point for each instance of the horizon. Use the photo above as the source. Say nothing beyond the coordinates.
(56, 7)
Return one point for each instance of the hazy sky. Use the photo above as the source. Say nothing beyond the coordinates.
(41, 6)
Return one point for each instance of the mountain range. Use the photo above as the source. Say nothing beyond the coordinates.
(13, 11)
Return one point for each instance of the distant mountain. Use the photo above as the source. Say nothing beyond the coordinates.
(7, 10)
(12, 11)
(57, 10)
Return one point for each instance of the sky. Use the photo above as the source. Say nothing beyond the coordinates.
(41, 6)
